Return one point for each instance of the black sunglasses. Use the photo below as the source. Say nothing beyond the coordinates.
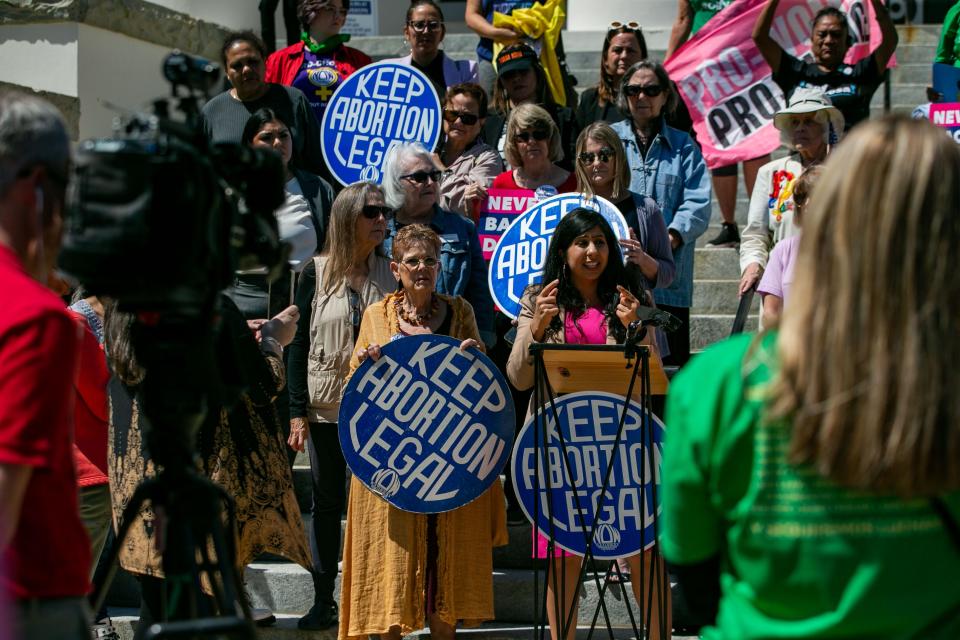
(374, 211)
(604, 155)
(468, 119)
(420, 177)
(537, 134)
(633, 90)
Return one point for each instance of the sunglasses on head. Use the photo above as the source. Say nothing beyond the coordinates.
(634, 90)
(604, 155)
(374, 211)
(626, 26)
(421, 177)
(468, 119)
(537, 134)
(423, 26)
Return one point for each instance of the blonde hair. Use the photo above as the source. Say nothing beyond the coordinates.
(341, 239)
(526, 117)
(602, 132)
(869, 347)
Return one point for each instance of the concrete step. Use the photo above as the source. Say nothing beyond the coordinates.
(287, 588)
(286, 629)
(707, 329)
(903, 95)
(916, 52)
(718, 297)
(912, 73)
(716, 264)
(456, 45)
(919, 33)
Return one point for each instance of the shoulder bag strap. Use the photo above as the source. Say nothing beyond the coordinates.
(949, 522)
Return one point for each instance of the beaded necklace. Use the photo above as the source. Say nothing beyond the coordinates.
(414, 319)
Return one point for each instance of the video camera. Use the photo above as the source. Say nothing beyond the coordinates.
(160, 219)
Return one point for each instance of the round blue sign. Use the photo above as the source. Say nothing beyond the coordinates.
(427, 426)
(377, 107)
(588, 421)
(518, 259)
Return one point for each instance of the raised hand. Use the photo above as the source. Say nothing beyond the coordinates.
(545, 309)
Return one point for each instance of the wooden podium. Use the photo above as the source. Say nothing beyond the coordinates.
(602, 367)
(630, 371)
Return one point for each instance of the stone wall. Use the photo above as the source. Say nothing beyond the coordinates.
(68, 106)
(134, 18)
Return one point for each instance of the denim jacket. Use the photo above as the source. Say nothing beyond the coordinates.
(463, 271)
(675, 176)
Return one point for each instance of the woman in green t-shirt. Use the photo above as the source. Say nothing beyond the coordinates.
(811, 486)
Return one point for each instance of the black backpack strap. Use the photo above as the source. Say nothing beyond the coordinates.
(949, 522)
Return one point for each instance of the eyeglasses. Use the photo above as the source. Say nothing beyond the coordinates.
(336, 12)
(468, 119)
(604, 155)
(413, 263)
(421, 177)
(423, 26)
(626, 26)
(634, 90)
(537, 134)
(374, 211)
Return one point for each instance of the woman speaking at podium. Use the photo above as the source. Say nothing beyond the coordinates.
(584, 299)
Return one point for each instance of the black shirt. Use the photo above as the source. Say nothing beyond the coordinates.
(849, 87)
(589, 109)
(224, 117)
(434, 71)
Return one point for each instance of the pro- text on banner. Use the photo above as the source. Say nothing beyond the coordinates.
(727, 84)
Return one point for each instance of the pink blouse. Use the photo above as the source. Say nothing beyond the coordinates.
(589, 328)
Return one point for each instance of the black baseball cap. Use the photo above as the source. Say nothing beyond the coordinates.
(516, 57)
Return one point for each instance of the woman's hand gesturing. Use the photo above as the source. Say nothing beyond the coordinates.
(627, 307)
(545, 309)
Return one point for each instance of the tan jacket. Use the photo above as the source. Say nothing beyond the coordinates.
(331, 336)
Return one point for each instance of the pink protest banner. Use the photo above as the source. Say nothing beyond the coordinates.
(497, 212)
(947, 116)
(727, 84)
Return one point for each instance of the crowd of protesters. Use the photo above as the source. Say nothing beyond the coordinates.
(840, 408)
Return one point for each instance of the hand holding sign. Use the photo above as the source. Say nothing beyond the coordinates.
(632, 249)
(426, 424)
(370, 351)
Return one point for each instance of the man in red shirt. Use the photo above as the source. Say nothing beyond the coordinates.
(44, 552)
